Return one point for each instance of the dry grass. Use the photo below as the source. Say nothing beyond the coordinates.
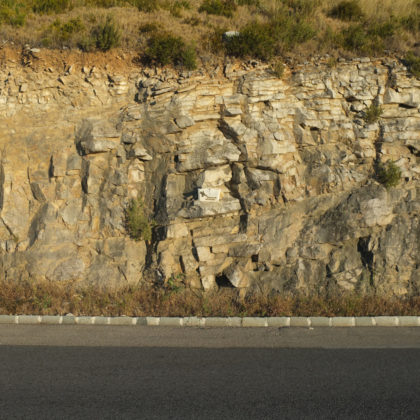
(199, 28)
(174, 300)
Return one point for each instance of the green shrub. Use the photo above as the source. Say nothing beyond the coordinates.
(291, 31)
(302, 8)
(277, 68)
(106, 35)
(412, 61)
(176, 7)
(146, 6)
(358, 39)
(12, 14)
(255, 3)
(372, 113)
(106, 4)
(347, 10)
(167, 49)
(389, 174)
(411, 23)
(137, 223)
(148, 27)
(59, 33)
(51, 6)
(254, 40)
(383, 29)
(218, 7)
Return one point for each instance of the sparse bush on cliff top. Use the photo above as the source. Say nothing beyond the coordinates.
(106, 35)
(371, 27)
(255, 40)
(51, 6)
(167, 49)
(218, 7)
(347, 10)
(12, 13)
(413, 63)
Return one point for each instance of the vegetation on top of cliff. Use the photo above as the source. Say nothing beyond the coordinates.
(265, 28)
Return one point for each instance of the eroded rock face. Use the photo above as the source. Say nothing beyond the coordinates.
(261, 182)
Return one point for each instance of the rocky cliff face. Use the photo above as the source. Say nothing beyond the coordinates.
(253, 181)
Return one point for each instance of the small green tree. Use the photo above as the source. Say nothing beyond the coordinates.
(372, 113)
(107, 35)
(137, 223)
(165, 49)
(347, 10)
(389, 174)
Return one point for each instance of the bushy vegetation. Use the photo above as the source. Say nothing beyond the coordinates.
(12, 13)
(51, 6)
(106, 35)
(413, 63)
(62, 33)
(267, 28)
(255, 40)
(277, 68)
(147, 6)
(347, 10)
(175, 299)
(389, 174)
(264, 40)
(138, 225)
(372, 113)
(218, 7)
(165, 49)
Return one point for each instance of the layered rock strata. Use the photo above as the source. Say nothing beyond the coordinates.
(252, 181)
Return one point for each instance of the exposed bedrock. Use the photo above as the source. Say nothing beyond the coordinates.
(252, 181)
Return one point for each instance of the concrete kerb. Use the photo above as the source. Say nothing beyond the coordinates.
(192, 321)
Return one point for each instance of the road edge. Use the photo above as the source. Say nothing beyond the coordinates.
(284, 322)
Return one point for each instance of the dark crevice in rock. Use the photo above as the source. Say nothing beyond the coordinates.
(223, 281)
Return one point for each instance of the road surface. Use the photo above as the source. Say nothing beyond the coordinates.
(63, 372)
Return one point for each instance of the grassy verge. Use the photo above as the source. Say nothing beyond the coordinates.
(172, 300)
(266, 28)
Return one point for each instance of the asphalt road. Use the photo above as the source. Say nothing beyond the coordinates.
(157, 373)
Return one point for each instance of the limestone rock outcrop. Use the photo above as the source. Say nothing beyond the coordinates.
(251, 180)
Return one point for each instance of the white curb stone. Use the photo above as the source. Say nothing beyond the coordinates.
(234, 321)
(141, 321)
(51, 319)
(278, 321)
(409, 321)
(343, 321)
(8, 319)
(365, 321)
(84, 320)
(320, 321)
(29, 319)
(101, 320)
(300, 321)
(254, 322)
(166, 321)
(386, 321)
(69, 320)
(216, 322)
(122, 320)
(152, 321)
(193, 321)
